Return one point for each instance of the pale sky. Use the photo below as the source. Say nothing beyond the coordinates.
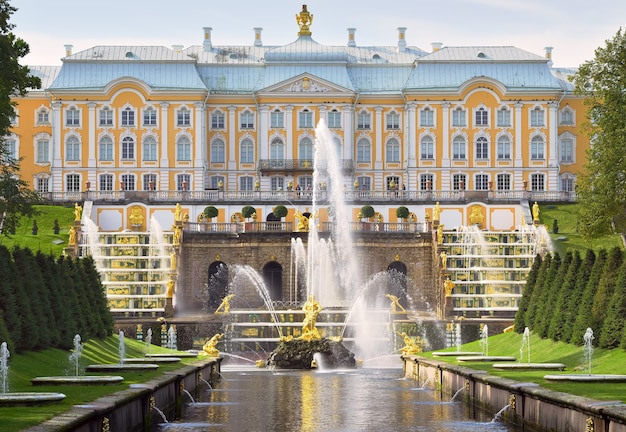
(574, 28)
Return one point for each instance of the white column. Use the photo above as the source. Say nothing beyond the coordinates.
(411, 143)
(199, 146)
(289, 127)
(445, 145)
(378, 125)
(348, 133)
(164, 164)
(263, 135)
(517, 143)
(553, 138)
(56, 167)
(232, 136)
(91, 133)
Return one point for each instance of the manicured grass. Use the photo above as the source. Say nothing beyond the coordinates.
(45, 240)
(55, 362)
(547, 351)
(568, 239)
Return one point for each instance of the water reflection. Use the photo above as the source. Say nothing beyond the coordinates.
(249, 399)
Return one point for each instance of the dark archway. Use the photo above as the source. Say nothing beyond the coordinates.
(271, 217)
(217, 284)
(273, 278)
(397, 284)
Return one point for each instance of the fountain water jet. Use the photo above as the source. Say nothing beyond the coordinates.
(524, 351)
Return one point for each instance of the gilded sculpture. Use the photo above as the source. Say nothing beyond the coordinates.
(396, 307)
(210, 347)
(311, 309)
(224, 307)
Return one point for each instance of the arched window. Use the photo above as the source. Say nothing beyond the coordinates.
(72, 149)
(247, 151)
(482, 148)
(128, 148)
(218, 151)
(427, 148)
(458, 148)
(277, 149)
(363, 151)
(537, 148)
(305, 151)
(393, 150)
(504, 147)
(149, 149)
(105, 152)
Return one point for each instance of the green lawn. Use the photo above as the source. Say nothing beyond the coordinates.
(55, 362)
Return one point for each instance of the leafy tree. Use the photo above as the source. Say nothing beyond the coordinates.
(520, 315)
(248, 211)
(210, 212)
(402, 212)
(16, 197)
(280, 211)
(602, 187)
(367, 211)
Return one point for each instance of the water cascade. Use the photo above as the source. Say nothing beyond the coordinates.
(121, 347)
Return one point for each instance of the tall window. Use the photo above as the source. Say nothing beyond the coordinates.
(277, 183)
(363, 120)
(427, 182)
(183, 149)
(305, 151)
(567, 116)
(393, 150)
(363, 151)
(536, 117)
(503, 117)
(458, 148)
(305, 119)
(427, 117)
(277, 149)
(72, 117)
(537, 148)
(459, 182)
(10, 146)
(427, 148)
(72, 149)
(128, 117)
(106, 149)
(149, 117)
(277, 119)
(43, 151)
(218, 121)
(566, 153)
(503, 182)
(218, 151)
(43, 116)
(537, 182)
(481, 182)
(247, 151)
(365, 183)
(504, 147)
(43, 184)
(393, 120)
(482, 148)
(247, 120)
(458, 117)
(334, 119)
(72, 183)
(567, 184)
(183, 182)
(481, 117)
(128, 149)
(105, 117)
(246, 183)
(183, 117)
(392, 181)
(215, 181)
(149, 149)
(149, 182)
(105, 182)
(128, 181)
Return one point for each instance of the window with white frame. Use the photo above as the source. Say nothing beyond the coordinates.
(246, 183)
(305, 119)
(392, 183)
(537, 115)
(481, 117)
(566, 151)
(105, 117)
(427, 182)
(246, 151)
(393, 120)
(459, 182)
(72, 149)
(567, 116)
(393, 150)
(105, 182)
(105, 149)
(42, 150)
(43, 184)
(427, 117)
(183, 117)
(183, 182)
(537, 146)
(218, 151)
(503, 117)
(128, 181)
(128, 148)
(150, 149)
(277, 149)
(427, 148)
(150, 117)
(277, 183)
(128, 117)
(214, 181)
(72, 183)
(481, 182)
(183, 149)
(458, 148)
(567, 183)
(334, 119)
(277, 119)
(365, 183)
(305, 183)
(363, 120)
(363, 151)
(503, 182)
(10, 151)
(482, 148)
(247, 120)
(459, 117)
(43, 116)
(504, 148)
(537, 182)
(218, 120)
(149, 182)
(72, 117)
(305, 149)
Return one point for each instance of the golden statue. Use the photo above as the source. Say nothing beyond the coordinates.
(78, 211)
(476, 216)
(444, 259)
(440, 234)
(72, 239)
(311, 309)
(209, 348)
(178, 213)
(448, 286)
(411, 345)
(173, 261)
(436, 211)
(535, 211)
(303, 222)
(177, 235)
(224, 307)
(396, 307)
(304, 20)
(200, 218)
(170, 288)
(136, 216)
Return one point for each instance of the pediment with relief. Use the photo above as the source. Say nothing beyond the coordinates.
(305, 84)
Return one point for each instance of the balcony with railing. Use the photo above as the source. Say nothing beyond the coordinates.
(300, 165)
(283, 227)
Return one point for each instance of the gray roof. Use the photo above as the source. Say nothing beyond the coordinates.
(47, 74)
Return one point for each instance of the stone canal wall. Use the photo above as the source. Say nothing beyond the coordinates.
(527, 404)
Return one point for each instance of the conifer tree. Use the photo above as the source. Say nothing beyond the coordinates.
(8, 304)
(561, 318)
(606, 286)
(573, 303)
(537, 293)
(61, 338)
(613, 324)
(550, 289)
(28, 338)
(520, 318)
(101, 307)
